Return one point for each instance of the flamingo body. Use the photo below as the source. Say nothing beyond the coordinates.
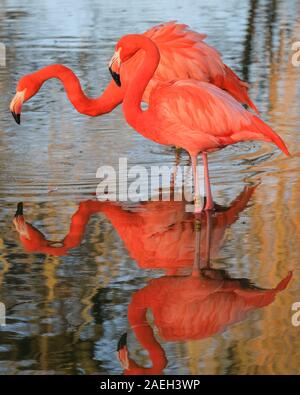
(205, 307)
(166, 232)
(190, 308)
(190, 114)
(199, 116)
(185, 55)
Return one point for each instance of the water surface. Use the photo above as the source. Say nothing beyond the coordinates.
(66, 313)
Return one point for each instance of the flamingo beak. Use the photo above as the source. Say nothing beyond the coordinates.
(19, 222)
(16, 105)
(114, 67)
(123, 351)
(19, 209)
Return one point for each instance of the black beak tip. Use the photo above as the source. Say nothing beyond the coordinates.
(19, 209)
(115, 76)
(17, 117)
(122, 342)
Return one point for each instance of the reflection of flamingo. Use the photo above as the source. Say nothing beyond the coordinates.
(31, 238)
(190, 307)
(34, 241)
(183, 55)
(166, 231)
(193, 115)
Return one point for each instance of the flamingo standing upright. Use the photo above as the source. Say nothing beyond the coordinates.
(194, 115)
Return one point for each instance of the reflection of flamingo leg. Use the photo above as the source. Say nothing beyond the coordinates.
(174, 172)
(208, 238)
(197, 196)
(209, 205)
(196, 264)
(201, 263)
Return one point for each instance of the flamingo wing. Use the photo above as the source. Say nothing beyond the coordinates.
(184, 55)
(199, 116)
(186, 52)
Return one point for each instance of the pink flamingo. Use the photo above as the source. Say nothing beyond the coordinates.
(194, 115)
(184, 55)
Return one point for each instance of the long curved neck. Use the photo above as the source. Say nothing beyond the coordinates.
(134, 115)
(144, 333)
(110, 98)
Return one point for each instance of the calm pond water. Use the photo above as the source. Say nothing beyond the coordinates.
(68, 304)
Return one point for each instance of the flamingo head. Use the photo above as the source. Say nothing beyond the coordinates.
(32, 239)
(126, 47)
(114, 67)
(129, 366)
(20, 223)
(26, 88)
(122, 351)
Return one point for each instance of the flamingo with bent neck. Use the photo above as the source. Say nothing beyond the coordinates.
(190, 114)
(165, 230)
(191, 307)
(184, 54)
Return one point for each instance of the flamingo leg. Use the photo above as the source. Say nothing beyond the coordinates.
(209, 205)
(197, 196)
(174, 172)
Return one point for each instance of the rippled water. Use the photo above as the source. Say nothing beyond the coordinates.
(67, 306)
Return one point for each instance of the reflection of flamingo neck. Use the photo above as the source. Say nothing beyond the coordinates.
(145, 336)
(81, 218)
(187, 308)
(33, 240)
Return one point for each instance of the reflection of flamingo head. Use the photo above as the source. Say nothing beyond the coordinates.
(189, 308)
(31, 238)
(130, 367)
(166, 231)
(20, 224)
(34, 241)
